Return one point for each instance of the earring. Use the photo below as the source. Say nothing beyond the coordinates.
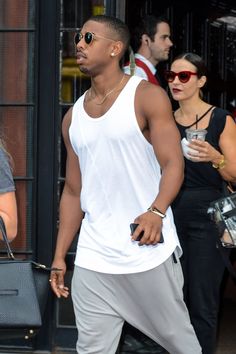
(112, 54)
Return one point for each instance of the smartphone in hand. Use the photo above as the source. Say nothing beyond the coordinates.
(133, 227)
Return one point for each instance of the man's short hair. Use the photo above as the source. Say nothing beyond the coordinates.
(145, 25)
(118, 27)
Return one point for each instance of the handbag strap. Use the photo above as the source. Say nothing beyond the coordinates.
(230, 187)
(5, 239)
(11, 255)
(226, 258)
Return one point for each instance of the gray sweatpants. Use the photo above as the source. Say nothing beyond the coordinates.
(151, 301)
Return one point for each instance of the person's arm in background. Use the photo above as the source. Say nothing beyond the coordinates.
(8, 206)
(155, 118)
(8, 212)
(70, 213)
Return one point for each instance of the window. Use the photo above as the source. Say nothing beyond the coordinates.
(17, 106)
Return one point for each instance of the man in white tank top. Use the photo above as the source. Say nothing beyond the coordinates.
(124, 165)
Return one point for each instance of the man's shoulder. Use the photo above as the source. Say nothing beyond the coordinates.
(149, 87)
(67, 119)
(148, 93)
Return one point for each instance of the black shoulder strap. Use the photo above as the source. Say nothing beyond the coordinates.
(200, 118)
(5, 239)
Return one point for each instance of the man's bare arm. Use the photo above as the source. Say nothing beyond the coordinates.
(154, 114)
(70, 213)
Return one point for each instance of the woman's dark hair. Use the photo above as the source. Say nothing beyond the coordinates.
(196, 60)
(120, 29)
(145, 25)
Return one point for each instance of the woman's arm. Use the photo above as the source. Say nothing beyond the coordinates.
(224, 161)
(8, 212)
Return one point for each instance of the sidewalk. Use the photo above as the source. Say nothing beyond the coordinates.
(227, 328)
(226, 338)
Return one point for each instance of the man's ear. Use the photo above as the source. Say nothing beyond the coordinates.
(145, 39)
(117, 49)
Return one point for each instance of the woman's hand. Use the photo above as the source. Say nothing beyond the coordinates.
(203, 152)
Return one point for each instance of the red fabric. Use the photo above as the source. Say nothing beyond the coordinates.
(151, 77)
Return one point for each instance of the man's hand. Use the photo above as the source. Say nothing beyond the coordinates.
(151, 225)
(57, 279)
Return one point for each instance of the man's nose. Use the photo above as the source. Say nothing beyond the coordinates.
(170, 42)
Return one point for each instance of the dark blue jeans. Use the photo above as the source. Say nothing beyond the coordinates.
(202, 263)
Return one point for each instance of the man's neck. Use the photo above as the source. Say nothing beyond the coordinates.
(146, 54)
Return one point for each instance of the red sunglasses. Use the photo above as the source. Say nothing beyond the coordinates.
(183, 76)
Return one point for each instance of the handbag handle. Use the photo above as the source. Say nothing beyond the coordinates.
(10, 253)
(5, 239)
(230, 187)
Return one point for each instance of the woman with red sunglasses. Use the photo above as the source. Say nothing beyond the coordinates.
(207, 164)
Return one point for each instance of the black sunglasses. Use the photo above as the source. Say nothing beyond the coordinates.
(183, 76)
(88, 37)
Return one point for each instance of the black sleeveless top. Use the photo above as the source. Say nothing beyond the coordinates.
(202, 174)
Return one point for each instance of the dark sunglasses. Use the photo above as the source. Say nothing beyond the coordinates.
(88, 37)
(183, 76)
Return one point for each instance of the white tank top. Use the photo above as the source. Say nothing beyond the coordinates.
(120, 180)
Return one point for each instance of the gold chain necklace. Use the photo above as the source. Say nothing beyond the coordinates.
(108, 93)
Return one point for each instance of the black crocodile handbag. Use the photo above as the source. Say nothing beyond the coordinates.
(24, 287)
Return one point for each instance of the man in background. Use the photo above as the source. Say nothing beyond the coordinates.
(151, 43)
